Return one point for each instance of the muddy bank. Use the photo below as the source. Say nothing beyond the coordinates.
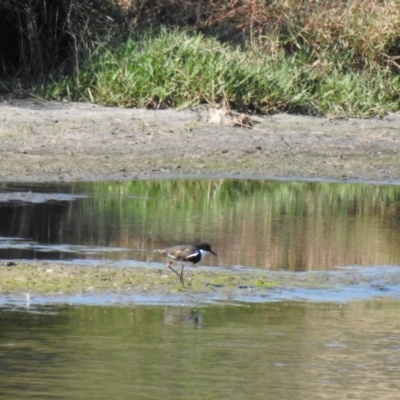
(51, 141)
(55, 282)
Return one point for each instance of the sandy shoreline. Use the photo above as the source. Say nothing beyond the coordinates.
(52, 141)
(47, 282)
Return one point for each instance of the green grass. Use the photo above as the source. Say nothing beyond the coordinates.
(320, 57)
(172, 68)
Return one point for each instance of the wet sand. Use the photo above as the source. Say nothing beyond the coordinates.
(48, 282)
(51, 141)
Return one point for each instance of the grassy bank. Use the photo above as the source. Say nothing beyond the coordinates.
(322, 58)
(178, 69)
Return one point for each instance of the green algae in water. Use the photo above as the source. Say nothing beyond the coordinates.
(53, 278)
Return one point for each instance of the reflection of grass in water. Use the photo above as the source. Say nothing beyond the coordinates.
(255, 217)
(289, 225)
(211, 199)
(187, 195)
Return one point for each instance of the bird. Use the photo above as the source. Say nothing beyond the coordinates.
(186, 254)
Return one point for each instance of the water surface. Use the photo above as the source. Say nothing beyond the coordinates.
(277, 351)
(296, 226)
(339, 340)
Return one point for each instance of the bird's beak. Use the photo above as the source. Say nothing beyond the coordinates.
(213, 253)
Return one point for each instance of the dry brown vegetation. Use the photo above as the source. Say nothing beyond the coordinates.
(319, 57)
(49, 32)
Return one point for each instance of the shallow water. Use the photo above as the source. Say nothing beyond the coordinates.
(278, 350)
(296, 226)
(299, 341)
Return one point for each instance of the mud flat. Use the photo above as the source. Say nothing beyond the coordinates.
(46, 282)
(52, 141)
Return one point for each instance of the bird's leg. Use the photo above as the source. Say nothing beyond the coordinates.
(169, 266)
(181, 275)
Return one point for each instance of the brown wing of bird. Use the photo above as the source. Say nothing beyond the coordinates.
(182, 252)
